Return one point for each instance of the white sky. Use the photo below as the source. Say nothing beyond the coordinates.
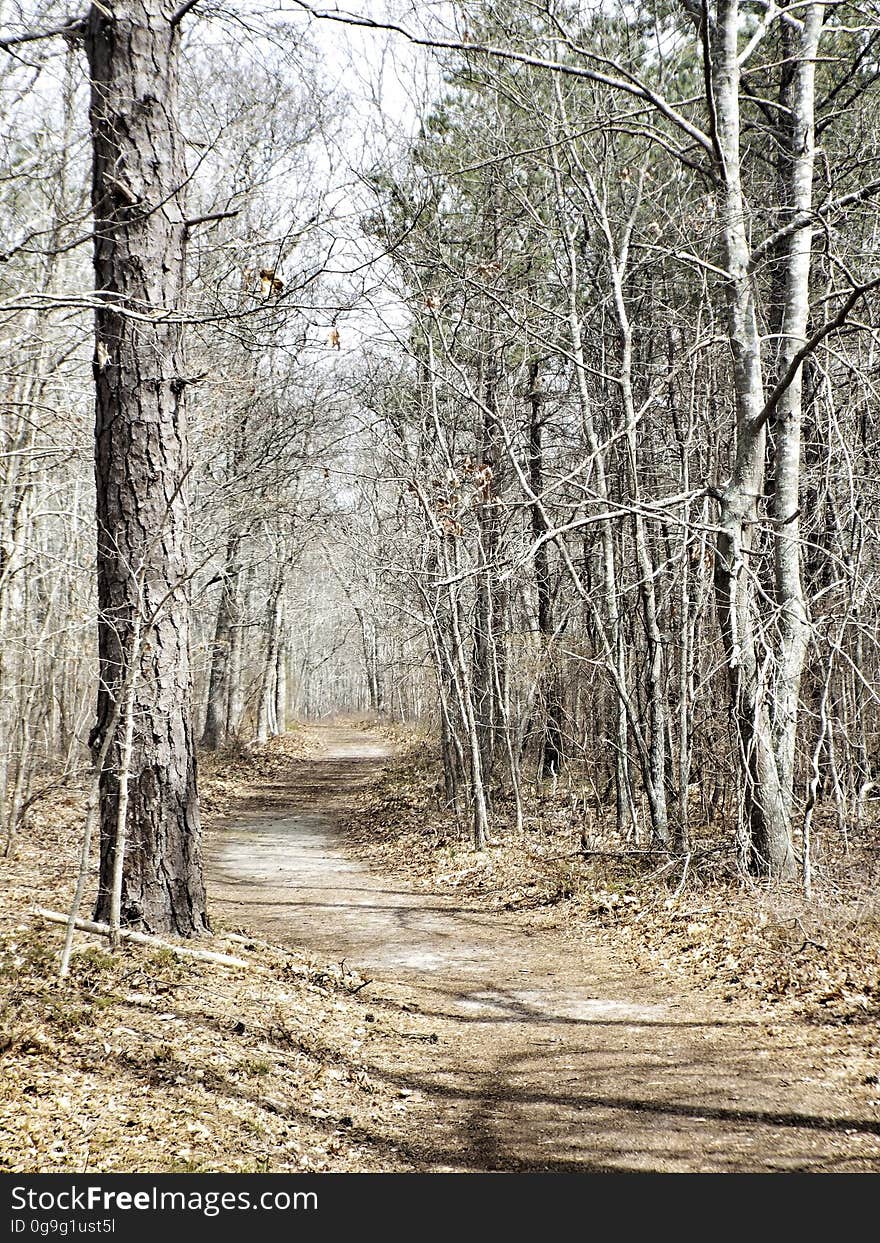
(390, 85)
(374, 65)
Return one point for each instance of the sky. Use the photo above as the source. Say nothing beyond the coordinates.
(389, 86)
(379, 67)
(383, 87)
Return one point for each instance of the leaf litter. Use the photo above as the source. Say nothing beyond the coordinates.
(141, 1061)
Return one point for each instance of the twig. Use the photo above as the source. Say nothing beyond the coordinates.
(687, 863)
(71, 27)
(808, 941)
(348, 987)
(836, 321)
(814, 944)
(214, 215)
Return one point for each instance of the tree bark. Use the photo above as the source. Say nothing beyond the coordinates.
(281, 692)
(765, 706)
(794, 627)
(141, 464)
(215, 732)
(489, 603)
(654, 760)
(550, 695)
(267, 723)
(609, 623)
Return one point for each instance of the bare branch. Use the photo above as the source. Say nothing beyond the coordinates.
(802, 219)
(837, 321)
(73, 26)
(214, 215)
(628, 87)
(181, 13)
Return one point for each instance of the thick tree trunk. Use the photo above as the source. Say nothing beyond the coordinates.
(141, 464)
(769, 832)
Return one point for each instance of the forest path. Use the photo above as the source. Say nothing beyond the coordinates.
(532, 1050)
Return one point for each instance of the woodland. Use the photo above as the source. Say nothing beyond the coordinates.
(498, 379)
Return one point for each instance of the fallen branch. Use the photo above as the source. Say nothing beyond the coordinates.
(143, 938)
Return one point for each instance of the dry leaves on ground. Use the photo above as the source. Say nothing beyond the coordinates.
(694, 921)
(142, 1061)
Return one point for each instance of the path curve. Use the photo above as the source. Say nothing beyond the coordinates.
(541, 1054)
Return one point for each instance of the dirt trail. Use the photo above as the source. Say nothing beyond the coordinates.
(532, 1050)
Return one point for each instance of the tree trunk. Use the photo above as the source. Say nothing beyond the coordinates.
(141, 464)
(654, 757)
(267, 724)
(609, 622)
(281, 693)
(216, 715)
(794, 627)
(766, 787)
(234, 688)
(371, 659)
(489, 604)
(550, 690)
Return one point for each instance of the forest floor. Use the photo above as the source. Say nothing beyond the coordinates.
(414, 1005)
(551, 1029)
